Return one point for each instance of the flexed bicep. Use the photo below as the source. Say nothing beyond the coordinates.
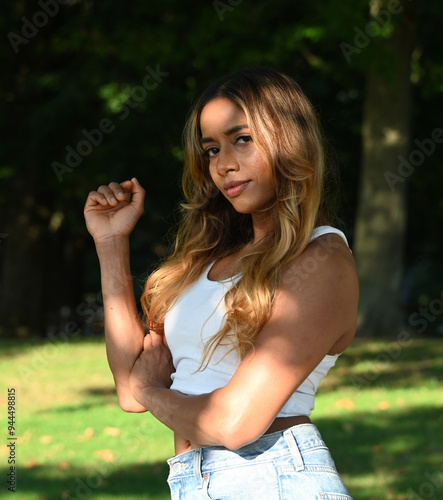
(309, 321)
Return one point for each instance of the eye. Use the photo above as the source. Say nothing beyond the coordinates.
(210, 152)
(243, 139)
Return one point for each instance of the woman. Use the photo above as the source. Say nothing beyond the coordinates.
(253, 307)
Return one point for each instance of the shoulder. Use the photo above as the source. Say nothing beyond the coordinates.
(320, 287)
(327, 260)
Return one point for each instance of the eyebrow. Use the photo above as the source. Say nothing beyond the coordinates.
(228, 132)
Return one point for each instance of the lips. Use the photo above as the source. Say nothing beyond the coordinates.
(234, 188)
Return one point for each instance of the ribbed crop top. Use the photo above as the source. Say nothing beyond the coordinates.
(196, 316)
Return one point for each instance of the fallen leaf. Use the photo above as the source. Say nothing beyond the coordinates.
(64, 465)
(45, 439)
(31, 464)
(345, 403)
(24, 438)
(105, 455)
(87, 435)
(383, 405)
(112, 431)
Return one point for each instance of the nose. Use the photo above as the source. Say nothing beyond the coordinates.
(226, 162)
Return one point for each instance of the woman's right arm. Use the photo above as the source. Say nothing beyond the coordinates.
(111, 213)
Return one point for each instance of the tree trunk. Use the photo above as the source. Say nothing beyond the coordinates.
(27, 265)
(381, 213)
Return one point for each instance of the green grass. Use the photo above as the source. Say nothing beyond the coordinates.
(381, 417)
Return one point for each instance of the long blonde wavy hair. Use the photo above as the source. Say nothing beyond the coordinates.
(285, 128)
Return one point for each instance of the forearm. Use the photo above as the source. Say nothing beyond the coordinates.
(192, 416)
(124, 331)
(204, 420)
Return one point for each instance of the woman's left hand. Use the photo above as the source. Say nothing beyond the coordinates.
(153, 367)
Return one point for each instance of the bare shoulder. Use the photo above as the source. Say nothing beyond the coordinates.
(323, 282)
(327, 258)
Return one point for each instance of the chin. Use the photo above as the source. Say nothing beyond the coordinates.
(243, 210)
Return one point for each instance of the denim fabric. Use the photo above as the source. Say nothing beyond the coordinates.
(291, 464)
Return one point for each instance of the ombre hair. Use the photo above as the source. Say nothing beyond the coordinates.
(285, 128)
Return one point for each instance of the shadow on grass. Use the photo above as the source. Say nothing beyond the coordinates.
(404, 447)
(12, 347)
(100, 391)
(388, 363)
(96, 397)
(99, 481)
(400, 452)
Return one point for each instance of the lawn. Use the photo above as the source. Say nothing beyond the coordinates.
(379, 410)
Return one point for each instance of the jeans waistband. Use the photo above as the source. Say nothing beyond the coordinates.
(267, 448)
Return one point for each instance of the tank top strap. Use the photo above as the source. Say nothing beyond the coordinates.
(321, 230)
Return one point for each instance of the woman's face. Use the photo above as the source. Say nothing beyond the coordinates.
(235, 164)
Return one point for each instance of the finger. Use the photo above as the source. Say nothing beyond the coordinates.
(147, 342)
(95, 198)
(138, 195)
(125, 191)
(121, 192)
(157, 339)
(108, 194)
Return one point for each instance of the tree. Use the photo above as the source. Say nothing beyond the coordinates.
(382, 208)
(87, 62)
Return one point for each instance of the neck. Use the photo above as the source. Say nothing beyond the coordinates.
(261, 224)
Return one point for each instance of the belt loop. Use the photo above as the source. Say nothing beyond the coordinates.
(293, 446)
(197, 467)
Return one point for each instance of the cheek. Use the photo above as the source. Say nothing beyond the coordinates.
(264, 172)
(215, 181)
(212, 175)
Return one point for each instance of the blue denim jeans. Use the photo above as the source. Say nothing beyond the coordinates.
(290, 464)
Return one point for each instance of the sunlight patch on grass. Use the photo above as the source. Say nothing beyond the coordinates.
(381, 420)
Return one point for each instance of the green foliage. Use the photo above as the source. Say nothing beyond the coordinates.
(88, 63)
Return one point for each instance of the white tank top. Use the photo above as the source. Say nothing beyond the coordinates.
(196, 316)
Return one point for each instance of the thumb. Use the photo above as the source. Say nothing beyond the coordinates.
(138, 194)
(157, 339)
(147, 342)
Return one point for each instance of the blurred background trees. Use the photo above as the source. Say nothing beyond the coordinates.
(94, 91)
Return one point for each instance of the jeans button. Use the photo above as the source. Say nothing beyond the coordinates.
(176, 467)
